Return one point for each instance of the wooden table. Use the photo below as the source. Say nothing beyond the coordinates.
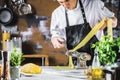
(45, 60)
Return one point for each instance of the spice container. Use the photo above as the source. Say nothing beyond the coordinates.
(6, 67)
(5, 37)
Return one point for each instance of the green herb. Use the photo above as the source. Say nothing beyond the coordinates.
(16, 58)
(106, 50)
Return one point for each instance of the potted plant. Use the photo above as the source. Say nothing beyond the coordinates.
(15, 62)
(106, 49)
(16, 58)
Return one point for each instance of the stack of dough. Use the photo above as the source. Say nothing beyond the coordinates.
(31, 68)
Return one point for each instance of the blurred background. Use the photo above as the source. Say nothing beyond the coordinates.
(30, 19)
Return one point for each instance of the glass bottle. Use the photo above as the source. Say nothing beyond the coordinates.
(5, 36)
(96, 69)
(96, 62)
(17, 43)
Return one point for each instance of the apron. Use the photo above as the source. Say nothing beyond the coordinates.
(76, 33)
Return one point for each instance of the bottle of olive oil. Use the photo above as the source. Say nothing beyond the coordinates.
(96, 69)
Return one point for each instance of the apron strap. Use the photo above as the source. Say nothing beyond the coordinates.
(83, 12)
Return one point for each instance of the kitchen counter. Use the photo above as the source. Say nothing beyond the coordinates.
(52, 73)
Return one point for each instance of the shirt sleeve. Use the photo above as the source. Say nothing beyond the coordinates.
(104, 11)
(54, 27)
(96, 11)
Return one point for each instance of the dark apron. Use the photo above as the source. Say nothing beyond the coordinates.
(76, 33)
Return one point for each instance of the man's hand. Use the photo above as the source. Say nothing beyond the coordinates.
(114, 23)
(58, 42)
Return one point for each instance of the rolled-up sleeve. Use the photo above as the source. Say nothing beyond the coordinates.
(104, 11)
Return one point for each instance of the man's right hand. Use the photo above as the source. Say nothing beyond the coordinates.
(58, 42)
